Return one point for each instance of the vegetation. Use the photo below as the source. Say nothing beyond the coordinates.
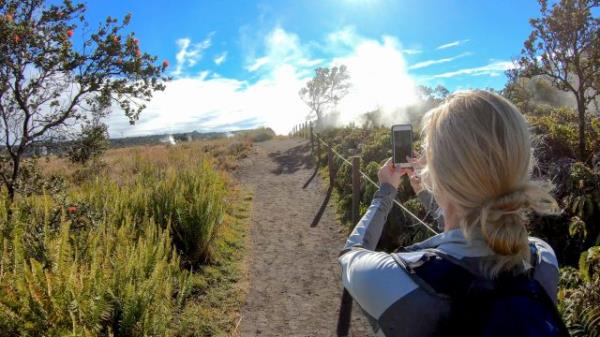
(90, 145)
(40, 62)
(256, 135)
(148, 246)
(563, 48)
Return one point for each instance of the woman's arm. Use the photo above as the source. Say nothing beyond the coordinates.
(367, 232)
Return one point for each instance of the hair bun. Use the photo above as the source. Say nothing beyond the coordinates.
(503, 221)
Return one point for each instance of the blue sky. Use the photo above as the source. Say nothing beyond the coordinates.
(239, 64)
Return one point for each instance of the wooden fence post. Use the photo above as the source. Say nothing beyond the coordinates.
(312, 138)
(331, 165)
(318, 152)
(355, 189)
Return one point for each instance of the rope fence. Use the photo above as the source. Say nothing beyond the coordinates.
(306, 131)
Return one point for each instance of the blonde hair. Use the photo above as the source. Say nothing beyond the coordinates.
(479, 158)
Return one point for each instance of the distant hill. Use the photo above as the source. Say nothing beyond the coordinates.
(166, 138)
(45, 148)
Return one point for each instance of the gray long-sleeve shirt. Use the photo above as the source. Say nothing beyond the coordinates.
(393, 302)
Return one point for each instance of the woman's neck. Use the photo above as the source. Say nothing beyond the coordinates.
(451, 221)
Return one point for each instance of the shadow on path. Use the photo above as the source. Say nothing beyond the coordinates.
(311, 177)
(319, 214)
(292, 160)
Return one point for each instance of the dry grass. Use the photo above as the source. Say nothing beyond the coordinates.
(119, 214)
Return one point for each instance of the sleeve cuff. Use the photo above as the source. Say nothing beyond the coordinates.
(387, 190)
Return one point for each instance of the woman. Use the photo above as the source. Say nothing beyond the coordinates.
(478, 162)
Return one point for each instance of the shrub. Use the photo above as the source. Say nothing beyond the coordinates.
(257, 135)
(109, 256)
(92, 142)
(123, 283)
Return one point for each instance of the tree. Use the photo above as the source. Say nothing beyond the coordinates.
(563, 47)
(49, 83)
(325, 90)
(92, 142)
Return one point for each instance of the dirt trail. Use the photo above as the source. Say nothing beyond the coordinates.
(294, 278)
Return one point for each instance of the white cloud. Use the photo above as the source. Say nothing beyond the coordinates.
(427, 63)
(412, 51)
(346, 36)
(452, 44)
(258, 63)
(219, 59)
(189, 54)
(494, 68)
(207, 101)
(379, 78)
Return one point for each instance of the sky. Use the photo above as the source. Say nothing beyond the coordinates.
(240, 64)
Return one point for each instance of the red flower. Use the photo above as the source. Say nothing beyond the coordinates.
(70, 33)
(72, 209)
(138, 53)
(9, 17)
(17, 38)
(165, 63)
(136, 41)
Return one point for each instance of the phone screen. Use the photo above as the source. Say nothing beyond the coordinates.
(402, 145)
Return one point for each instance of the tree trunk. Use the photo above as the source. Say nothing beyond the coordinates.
(319, 125)
(11, 184)
(581, 118)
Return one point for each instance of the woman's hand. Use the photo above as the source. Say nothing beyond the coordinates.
(392, 174)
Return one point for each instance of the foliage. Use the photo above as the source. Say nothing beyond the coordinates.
(118, 284)
(257, 135)
(589, 263)
(579, 295)
(92, 142)
(563, 48)
(40, 63)
(110, 256)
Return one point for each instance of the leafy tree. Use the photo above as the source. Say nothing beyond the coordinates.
(91, 144)
(51, 78)
(563, 47)
(324, 91)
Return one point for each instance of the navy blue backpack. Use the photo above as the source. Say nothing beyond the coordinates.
(509, 306)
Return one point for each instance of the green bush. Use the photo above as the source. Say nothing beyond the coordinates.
(122, 283)
(257, 135)
(111, 257)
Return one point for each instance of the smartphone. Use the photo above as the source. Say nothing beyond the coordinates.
(402, 144)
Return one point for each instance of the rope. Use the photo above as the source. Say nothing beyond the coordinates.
(367, 178)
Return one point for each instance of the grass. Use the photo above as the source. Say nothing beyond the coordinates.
(149, 243)
(219, 287)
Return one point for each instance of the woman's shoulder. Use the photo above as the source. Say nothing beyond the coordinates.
(375, 279)
(388, 294)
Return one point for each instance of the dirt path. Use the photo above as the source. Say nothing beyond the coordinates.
(294, 278)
